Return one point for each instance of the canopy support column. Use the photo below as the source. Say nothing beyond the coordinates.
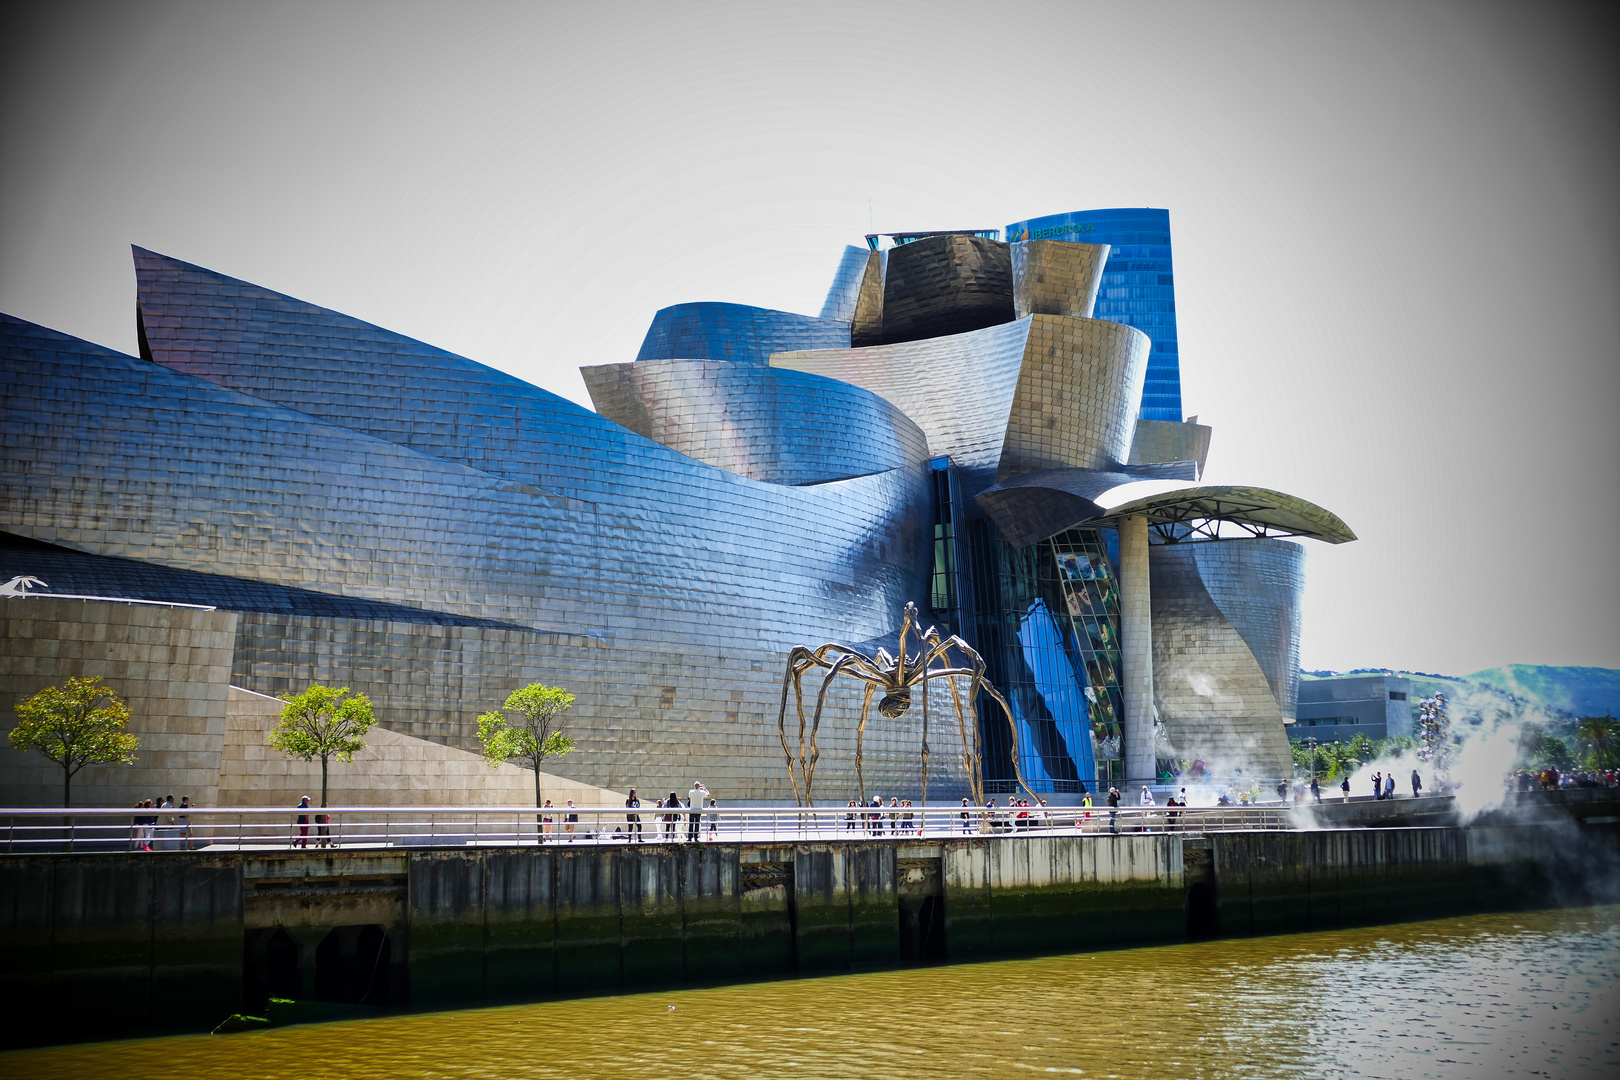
(1136, 646)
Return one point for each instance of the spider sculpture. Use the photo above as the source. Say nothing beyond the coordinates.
(899, 677)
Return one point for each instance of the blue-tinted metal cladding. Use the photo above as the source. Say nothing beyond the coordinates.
(1138, 286)
(736, 332)
(390, 471)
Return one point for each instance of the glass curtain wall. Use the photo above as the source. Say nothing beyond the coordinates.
(1048, 627)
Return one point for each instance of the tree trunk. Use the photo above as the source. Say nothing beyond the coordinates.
(323, 779)
(67, 787)
(539, 828)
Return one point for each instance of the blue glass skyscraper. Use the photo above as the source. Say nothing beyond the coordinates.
(1138, 286)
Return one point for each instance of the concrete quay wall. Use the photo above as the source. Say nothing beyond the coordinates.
(100, 946)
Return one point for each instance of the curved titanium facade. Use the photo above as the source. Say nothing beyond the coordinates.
(1212, 694)
(1075, 405)
(1258, 586)
(958, 388)
(363, 464)
(783, 427)
(844, 295)
(1054, 277)
(735, 332)
(947, 284)
(1040, 391)
(1138, 286)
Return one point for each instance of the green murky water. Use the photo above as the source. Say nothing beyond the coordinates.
(1526, 994)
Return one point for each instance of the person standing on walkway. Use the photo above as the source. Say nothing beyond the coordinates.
(1389, 786)
(1316, 791)
(671, 820)
(1378, 785)
(1417, 784)
(632, 821)
(967, 816)
(694, 802)
(1345, 787)
(1113, 809)
(303, 823)
(184, 819)
(548, 827)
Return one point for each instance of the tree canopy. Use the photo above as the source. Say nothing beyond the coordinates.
(323, 723)
(534, 734)
(76, 724)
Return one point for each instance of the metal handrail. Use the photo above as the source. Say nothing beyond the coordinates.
(268, 829)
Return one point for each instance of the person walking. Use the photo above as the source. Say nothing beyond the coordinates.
(303, 823)
(1316, 791)
(894, 816)
(714, 817)
(548, 823)
(671, 820)
(570, 820)
(1417, 784)
(632, 821)
(966, 816)
(1085, 805)
(694, 802)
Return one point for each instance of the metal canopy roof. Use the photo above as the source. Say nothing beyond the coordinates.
(1034, 505)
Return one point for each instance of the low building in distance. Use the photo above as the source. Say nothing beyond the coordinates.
(1339, 708)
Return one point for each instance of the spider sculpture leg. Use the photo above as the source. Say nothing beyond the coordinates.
(971, 762)
(860, 736)
(809, 766)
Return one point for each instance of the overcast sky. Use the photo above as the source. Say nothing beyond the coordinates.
(1395, 225)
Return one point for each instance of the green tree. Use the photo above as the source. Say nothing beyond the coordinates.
(1599, 736)
(1538, 749)
(534, 736)
(77, 724)
(323, 723)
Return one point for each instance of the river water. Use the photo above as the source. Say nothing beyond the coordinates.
(1525, 994)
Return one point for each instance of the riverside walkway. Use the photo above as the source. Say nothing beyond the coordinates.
(86, 831)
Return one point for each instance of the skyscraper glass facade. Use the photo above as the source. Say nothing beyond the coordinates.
(1138, 286)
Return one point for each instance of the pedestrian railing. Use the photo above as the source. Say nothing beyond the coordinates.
(24, 831)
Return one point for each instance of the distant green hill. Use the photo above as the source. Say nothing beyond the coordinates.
(1579, 691)
(1554, 696)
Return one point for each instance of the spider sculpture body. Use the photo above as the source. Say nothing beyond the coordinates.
(900, 676)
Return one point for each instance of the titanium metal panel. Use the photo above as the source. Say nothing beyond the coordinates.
(1163, 440)
(1056, 277)
(1076, 401)
(958, 388)
(947, 284)
(1138, 285)
(770, 424)
(681, 586)
(735, 332)
(1258, 585)
(1213, 698)
(844, 294)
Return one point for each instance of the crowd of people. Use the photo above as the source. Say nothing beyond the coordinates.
(160, 825)
(1550, 779)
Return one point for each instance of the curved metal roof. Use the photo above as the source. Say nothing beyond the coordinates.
(1035, 505)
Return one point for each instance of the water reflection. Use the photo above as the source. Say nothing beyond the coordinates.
(1485, 996)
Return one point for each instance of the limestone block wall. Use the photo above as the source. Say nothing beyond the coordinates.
(393, 770)
(171, 665)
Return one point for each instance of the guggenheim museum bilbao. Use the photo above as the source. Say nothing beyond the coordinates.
(990, 429)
